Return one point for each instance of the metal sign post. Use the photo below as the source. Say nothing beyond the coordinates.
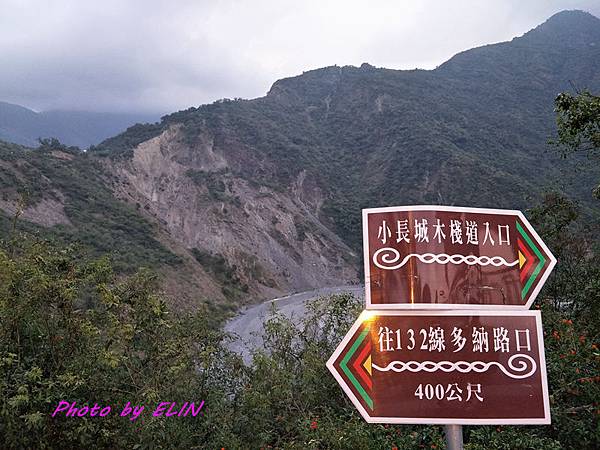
(454, 437)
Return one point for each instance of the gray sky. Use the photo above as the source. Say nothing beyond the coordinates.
(162, 56)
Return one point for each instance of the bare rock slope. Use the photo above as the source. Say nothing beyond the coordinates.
(272, 242)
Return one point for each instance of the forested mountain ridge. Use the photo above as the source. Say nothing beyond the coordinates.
(263, 196)
(475, 127)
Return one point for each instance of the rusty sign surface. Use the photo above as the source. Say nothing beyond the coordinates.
(423, 257)
(445, 367)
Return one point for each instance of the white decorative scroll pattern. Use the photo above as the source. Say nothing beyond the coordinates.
(519, 366)
(387, 257)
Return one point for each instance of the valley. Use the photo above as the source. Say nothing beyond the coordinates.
(245, 200)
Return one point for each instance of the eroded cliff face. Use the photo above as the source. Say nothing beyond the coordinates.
(268, 241)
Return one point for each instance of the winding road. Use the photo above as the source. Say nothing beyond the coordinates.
(248, 324)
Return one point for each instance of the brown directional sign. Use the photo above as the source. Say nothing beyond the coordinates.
(445, 367)
(448, 257)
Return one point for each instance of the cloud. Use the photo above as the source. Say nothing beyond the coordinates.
(160, 56)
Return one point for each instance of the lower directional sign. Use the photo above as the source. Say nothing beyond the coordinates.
(452, 367)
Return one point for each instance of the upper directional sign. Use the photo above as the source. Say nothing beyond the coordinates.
(447, 257)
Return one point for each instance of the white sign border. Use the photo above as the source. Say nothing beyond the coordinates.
(448, 306)
(546, 420)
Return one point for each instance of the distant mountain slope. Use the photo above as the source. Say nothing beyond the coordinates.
(62, 194)
(259, 197)
(473, 132)
(24, 126)
(240, 242)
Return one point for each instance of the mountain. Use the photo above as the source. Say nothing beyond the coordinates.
(263, 196)
(474, 131)
(80, 128)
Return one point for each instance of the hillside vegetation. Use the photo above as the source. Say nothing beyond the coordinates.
(247, 194)
(77, 332)
(472, 132)
(272, 188)
(84, 207)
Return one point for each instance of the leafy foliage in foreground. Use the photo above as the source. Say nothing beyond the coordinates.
(571, 316)
(578, 121)
(71, 331)
(578, 125)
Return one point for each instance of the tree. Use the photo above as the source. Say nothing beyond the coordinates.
(578, 121)
(74, 331)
